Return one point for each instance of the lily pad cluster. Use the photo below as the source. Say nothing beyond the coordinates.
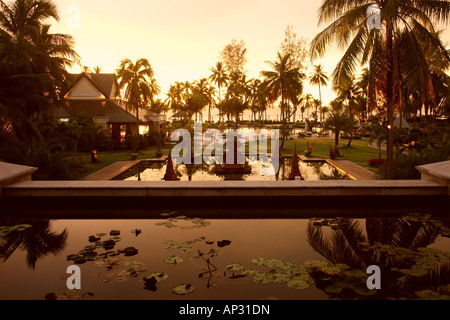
(428, 219)
(90, 252)
(293, 275)
(335, 223)
(332, 278)
(171, 222)
(424, 259)
(5, 230)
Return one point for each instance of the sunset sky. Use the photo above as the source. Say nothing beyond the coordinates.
(182, 39)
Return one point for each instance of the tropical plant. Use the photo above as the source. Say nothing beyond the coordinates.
(378, 135)
(32, 65)
(380, 49)
(219, 77)
(137, 89)
(338, 121)
(319, 78)
(398, 246)
(284, 82)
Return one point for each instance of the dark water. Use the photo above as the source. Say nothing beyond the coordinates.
(226, 259)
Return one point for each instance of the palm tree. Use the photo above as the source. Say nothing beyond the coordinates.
(377, 47)
(135, 85)
(32, 65)
(284, 82)
(319, 78)
(38, 241)
(97, 69)
(379, 136)
(357, 248)
(338, 121)
(219, 77)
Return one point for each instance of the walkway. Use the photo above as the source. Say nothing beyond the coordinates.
(355, 171)
(113, 170)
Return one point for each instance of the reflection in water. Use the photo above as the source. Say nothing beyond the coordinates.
(176, 255)
(260, 171)
(35, 238)
(397, 246)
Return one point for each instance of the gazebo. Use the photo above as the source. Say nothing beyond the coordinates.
(180, 115)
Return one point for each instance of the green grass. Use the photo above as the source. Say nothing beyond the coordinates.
(359, 151)
(108, 158)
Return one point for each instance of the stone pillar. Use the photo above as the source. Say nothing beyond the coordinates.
(13, 173)
(438, 172)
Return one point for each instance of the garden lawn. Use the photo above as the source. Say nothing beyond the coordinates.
(359, 151)
(83, 160)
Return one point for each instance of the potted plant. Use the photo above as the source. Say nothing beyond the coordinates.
(309, 148)
(334, 152)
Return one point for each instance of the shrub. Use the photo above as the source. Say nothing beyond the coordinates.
(376, 162)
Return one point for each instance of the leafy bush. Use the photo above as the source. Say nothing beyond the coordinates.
(376, 162)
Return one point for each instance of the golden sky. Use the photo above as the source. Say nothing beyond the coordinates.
(182, 39)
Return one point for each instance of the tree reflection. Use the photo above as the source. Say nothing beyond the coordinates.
(392, 245)
(37, 241)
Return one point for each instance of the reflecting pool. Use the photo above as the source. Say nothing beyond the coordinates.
(260, 171)
(176, 256)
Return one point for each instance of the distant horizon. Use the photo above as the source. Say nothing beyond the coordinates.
(182, 40)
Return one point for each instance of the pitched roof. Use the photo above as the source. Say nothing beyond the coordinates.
(104, 82)
(96, 108)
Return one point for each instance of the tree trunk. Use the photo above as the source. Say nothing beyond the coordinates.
(389, 106)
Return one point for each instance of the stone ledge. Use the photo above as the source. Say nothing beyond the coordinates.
(224, 188)
(11, 173)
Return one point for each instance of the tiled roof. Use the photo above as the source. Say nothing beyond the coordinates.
(96, 108)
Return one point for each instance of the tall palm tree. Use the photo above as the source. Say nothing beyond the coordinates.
(319, 78)
(284, 82)
(376, 47)
(32, 65)
(135, 85)
(338, 121)
(219, 77)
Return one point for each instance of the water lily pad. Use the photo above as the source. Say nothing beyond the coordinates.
(415, 272)
(183, 289)
(136, 232)
(333, 289)
(93, 239)
(431, 295)
(130, 251)
(114, 233)
(234, 267)
(223, 243)
(299, 284)
(355, 273)
(121, 279)
(315, 263)
(173, 260)
(158, 276)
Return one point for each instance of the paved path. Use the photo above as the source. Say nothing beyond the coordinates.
(111, 171)
(354, 170)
